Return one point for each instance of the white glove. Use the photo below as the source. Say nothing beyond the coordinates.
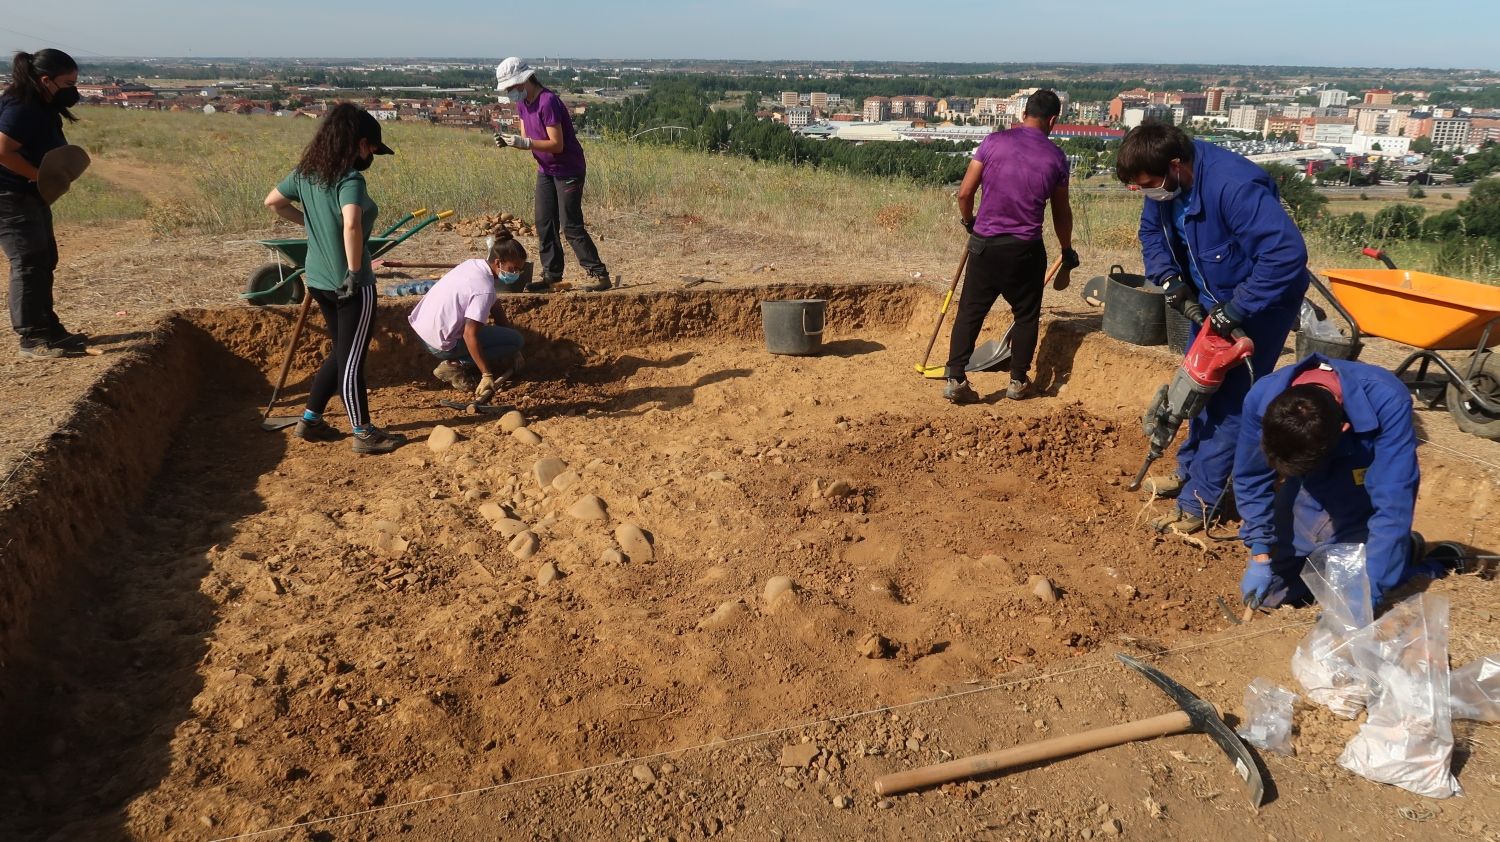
(513, 140)
(485, 390)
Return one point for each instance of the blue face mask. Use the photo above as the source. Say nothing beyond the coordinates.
(515, 94)
(507, 278)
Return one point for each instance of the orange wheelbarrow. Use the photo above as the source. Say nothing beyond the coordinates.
(1431, 313)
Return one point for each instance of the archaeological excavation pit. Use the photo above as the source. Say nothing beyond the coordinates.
(211, 630)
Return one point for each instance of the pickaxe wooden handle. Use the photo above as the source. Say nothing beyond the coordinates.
(1177, 722)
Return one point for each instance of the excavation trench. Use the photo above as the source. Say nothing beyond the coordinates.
(209, 629)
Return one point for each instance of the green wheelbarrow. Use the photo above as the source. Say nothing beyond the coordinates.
(280, 283)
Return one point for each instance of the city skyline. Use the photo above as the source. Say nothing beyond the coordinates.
(1448, 33)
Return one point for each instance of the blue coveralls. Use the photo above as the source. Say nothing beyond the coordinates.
(1240, 247)
(1364, 494)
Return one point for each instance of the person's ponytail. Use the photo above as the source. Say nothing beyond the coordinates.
(27, 70)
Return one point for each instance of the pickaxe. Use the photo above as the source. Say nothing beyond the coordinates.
(1194, 716)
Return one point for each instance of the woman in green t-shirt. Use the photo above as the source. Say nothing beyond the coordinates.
(329, 183)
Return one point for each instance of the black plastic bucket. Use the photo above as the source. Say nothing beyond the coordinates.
(1179, 329)
(1134, 309)
(1334, 349)
(793, 327)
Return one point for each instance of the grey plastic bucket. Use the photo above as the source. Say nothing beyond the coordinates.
(1334, 349)
(793, 327)
(1179, 329)
(1134, 309)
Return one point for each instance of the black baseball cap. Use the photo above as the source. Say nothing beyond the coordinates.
(369, 129)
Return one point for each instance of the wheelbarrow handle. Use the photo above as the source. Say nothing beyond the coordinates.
(1380, 255)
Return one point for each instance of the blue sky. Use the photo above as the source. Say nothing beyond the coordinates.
(1434, 33)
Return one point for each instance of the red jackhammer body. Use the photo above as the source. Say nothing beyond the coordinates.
(1208, 361)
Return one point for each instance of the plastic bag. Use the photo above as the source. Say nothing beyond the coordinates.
(1314, 324)
(1322, 664)
(1268, 716)
(1407, 739)
(1475, 690)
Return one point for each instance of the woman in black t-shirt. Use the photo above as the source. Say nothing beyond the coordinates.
(43, 86)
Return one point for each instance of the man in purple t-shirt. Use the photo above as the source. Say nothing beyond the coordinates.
(1016, 172)
(547, 130)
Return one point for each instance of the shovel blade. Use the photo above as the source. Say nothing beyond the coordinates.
(279, 422)
(992, 355)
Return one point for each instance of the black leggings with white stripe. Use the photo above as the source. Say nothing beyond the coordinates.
(343, 372)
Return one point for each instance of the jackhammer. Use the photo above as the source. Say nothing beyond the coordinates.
(1208, 361)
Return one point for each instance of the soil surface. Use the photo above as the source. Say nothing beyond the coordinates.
(288, 633)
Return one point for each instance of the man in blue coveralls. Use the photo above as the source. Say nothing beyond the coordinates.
(1338, 436)
(1213, 229)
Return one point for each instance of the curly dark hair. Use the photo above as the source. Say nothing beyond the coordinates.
(27, 70)
(333, 151)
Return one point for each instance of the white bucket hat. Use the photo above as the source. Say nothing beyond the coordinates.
(511, 72)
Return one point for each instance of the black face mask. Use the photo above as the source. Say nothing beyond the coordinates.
(363, 164)
(66, 97)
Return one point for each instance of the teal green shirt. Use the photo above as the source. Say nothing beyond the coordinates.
(323, 208)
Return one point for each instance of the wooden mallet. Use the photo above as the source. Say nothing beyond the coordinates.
(1194, 716)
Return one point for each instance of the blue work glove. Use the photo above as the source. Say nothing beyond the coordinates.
(1256, 582)
(1224, 318)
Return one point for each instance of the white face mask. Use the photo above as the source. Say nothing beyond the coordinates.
(1161, 193)
(515, 94)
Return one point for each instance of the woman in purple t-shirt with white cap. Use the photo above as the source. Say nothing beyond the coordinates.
(547, 130)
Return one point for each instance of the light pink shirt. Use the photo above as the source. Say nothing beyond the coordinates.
(466, 292)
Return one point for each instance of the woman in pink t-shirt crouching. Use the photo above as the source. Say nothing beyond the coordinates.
(451, 320)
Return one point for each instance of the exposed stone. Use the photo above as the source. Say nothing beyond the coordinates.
(842, 802)
(634, 543)
(876, 646)
(492, 512)
(547, 574)
(512, 421)
(441, 438)
(839, 488)
(798, 756)
(611, 557)
(565, 480)
(524, 435)
(524, 545)
(588, 507)
(547, 469)
(776, 587)
(724, 616)
(509, 527)
(1041, 588)
(643, 773)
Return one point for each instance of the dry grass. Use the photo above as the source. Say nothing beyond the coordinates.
(233, 161)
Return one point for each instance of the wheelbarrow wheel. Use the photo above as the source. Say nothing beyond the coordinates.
(267, 277)
(1470, 416)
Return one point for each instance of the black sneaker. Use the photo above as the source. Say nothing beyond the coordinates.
(596, 282)
(41, 349)
(59, 337)
(318, 430)
(376, 440)
(959, 391)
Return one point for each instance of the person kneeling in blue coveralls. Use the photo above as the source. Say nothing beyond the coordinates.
(1327, 454)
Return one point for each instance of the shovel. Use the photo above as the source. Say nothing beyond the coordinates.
(991, 355)
(281, 422)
